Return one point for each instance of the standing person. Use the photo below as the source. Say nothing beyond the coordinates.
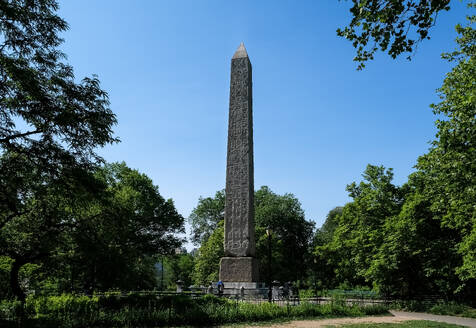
(220, 287)
(286, 290)
(210, 288)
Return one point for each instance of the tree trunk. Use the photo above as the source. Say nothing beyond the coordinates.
(14, 280)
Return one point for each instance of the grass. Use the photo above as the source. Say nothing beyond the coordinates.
(409, 324)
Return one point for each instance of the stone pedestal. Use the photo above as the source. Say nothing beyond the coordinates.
(238, 269)
(245, 289)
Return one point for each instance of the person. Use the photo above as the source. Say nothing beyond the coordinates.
(210, 288)
(220, 287)
(286, 290)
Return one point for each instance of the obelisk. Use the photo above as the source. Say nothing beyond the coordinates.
(239, 263)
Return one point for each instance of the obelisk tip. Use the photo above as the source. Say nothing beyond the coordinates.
(240, 52)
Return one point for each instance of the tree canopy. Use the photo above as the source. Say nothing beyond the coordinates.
(63, 215)
(418, 238)
(395, 27)
(206, 216)
(449, 168)
(50, 126)
(83, 244)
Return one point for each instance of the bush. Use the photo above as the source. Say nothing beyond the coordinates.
(412, 306)
(134, 310)
(9, 310)
(453, 308)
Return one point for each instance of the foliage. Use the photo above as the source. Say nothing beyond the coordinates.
(453, 309)
(117, 238)
(5, 265)
(50, 126)
(321, 272)
(178, 267)
(359, 233)
(206, 216)
(291, 235)
(325, 233)
(207, 261)
(98, 243)
(449, 167)
(393, 26)
(54, 122)
(150, 311)
(47, 206)
(417, 239)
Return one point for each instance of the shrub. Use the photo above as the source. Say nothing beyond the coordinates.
(134, 310)
(453, 308)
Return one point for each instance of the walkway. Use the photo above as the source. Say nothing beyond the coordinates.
(398, 316)
(468, 322)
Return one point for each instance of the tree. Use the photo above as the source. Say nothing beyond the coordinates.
(45, 114)
(421, 237)
(207, 262)
(119, 237)
(50, 126)
(88, 242)
(358, 235)
(291, 235)
(417, 255)
(324, 234)
(387, 25)
(179, 267)
(46, 209)
(206, 216)
(449, 168)
(391, 239)
(321, 268)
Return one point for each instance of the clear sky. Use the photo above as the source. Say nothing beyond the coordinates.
(317, 121)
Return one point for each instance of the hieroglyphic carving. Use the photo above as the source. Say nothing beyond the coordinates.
(239, 212)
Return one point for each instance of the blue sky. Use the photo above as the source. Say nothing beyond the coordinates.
(317, 121)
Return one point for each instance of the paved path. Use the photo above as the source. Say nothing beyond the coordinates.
(398, 316)
(333, 322)
(468, 322)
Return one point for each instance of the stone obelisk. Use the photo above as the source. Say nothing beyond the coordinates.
(239, 263)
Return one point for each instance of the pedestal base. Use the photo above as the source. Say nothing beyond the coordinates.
(245, 289)
(238, 269)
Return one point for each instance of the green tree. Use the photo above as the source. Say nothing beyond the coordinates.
(206, 216)
(119, 238)
(321, 268)
(291, 235)
(50, 126)
(417, 255)
(179, 267)
(359, 233)
(207, 262)
(324, 234)
(396, 27)
(87, 243)
(46, 210)
(449, 168)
